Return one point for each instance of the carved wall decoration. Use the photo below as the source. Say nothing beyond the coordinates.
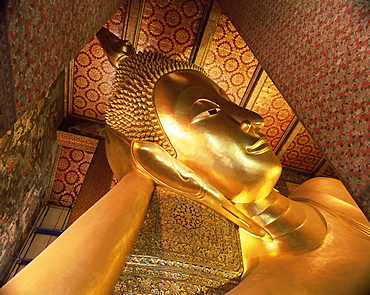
(229, 62)
(93, 74)
(184, 248)
(75, 156)
(170, 27)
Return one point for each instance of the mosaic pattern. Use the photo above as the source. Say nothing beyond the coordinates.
(317, 54)
(7, 103)
(302, 153)
(74, 160)
(229, 61)
(184, 247)
(92, 190)
(27, 153)
(93, 74)
(41, 45)
(76, 141)
(170, 27)
(69, 176)
(277, 114)
(183, 234)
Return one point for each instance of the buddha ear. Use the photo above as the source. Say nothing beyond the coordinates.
(156, 163)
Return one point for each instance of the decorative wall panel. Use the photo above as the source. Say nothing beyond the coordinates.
(93, 75)
(229, 61)
(74, 160)
(317, 53)
(302, 153)
(97, 183)
(7, 101)
(44, 36)
(183, 248)
(27, 153)
(170, 27)
(271, 105)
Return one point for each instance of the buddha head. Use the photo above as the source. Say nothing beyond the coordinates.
(174, 104)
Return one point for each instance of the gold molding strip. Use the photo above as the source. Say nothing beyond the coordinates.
(207, 36)
(201, 30)
(290, 133)
(254, 88)
(76, 141)
(133, 19)
(68, 89)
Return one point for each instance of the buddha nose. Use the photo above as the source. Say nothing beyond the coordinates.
(245, 125)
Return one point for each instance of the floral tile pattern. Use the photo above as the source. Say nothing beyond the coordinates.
(317, 53)
(229, 62)
(93, 74)
(170, 27)
(74, 160)
(302, 152)
(271, 105)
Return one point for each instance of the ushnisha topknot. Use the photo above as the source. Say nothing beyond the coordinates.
(131, 110)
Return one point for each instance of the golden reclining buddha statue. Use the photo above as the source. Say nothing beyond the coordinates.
(169, 125)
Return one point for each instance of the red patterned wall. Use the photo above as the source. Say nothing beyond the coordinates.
(302, 153)
(93, 75)
(317, 53)
(69, 176)
(170, 27)
(229, 61)
(74, 160)
(277, 114)
(44, 36)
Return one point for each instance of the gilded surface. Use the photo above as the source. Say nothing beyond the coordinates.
(131, 111)
(213, 152)
(215, 146)
(184, 248)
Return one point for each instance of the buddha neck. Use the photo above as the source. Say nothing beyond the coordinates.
(295, 228)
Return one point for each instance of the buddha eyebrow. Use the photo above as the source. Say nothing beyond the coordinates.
(203, 99)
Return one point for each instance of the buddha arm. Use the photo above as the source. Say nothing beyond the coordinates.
(88, 257)
(339, 265)
(167, 171)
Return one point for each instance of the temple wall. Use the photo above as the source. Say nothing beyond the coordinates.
(41, 38)
(27, 153)
(317, 53)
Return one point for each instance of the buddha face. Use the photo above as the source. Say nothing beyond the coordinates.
(217, 139)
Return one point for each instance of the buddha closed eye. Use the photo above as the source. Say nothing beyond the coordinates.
(214, 137)
(202, 109)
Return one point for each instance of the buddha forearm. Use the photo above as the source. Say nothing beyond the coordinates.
(88, 257)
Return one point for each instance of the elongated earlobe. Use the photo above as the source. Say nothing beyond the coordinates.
(156, 163)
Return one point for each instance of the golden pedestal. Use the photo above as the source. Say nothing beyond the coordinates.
(183, 248)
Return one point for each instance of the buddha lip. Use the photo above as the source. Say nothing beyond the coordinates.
(260, 147)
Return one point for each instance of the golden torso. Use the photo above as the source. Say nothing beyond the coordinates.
(339, 265)
(295, 228)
